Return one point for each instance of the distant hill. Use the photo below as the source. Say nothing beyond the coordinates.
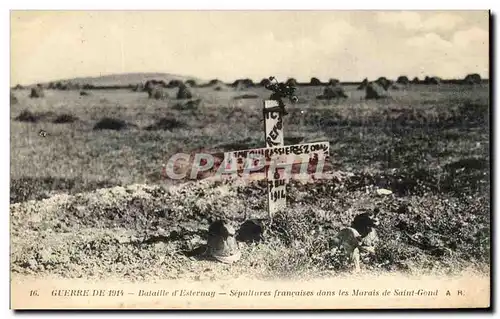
(125, 79)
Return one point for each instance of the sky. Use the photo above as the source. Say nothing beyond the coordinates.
(229, 45)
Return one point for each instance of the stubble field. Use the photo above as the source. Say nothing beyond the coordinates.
(90, 203)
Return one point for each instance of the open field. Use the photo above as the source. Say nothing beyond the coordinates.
(428, 144)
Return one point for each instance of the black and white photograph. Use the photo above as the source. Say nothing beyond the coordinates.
(250, 159)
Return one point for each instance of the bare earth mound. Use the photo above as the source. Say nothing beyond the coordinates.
(139, 232)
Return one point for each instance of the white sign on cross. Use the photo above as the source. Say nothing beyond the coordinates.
(279, 158)
(273, 128)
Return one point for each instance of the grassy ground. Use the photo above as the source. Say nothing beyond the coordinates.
(428, 144)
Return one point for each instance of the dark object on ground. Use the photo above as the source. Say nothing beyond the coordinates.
(215, 82)
(84, 93)
(65, 118)
(265, 82)
(174, 84)
(243, 84)
(246, 96)
(291, 82)
(384, 82)
(152, 84)
(472, 79)
(315, 81)
(468, 164)
(375, 91)
(157, 93)
(191, 83)
(27, 116)
(184, 92)
(364, 223)
(37, 92)
(221, 242)
(333, 82)
(165, 124)
(251, 231)
(403, 80)
(108, 123)
(432, 80)
(363, 84)
(332, 92)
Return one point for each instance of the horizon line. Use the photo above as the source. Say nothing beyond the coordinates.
(203, 80)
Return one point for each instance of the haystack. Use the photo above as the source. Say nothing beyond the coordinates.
(37, 92)
(214, 82)
(403, 80)
(384, 82)
(190, 83)
(184, 92)
(218, 85)
(174, 83)
(363, 84)
(333, 82)
(265, 82)
(291, 82)
(472, 79)
(243, 84)
(158, 93)
(332, 92)
(432, 80)
(315, 81)
(61, 86)
(150, 84)
(375, 91)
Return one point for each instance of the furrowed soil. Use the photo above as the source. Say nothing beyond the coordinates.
(90, 203)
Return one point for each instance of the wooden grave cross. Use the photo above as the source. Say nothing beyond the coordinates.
(277, 154)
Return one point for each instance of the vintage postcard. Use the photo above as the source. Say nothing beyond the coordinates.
(250, 159)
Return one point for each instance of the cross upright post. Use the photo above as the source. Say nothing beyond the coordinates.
(273, 130)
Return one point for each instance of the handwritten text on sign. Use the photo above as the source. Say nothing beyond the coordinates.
(273, 125)
(304, 159)
(298, 159)
(276, 192)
